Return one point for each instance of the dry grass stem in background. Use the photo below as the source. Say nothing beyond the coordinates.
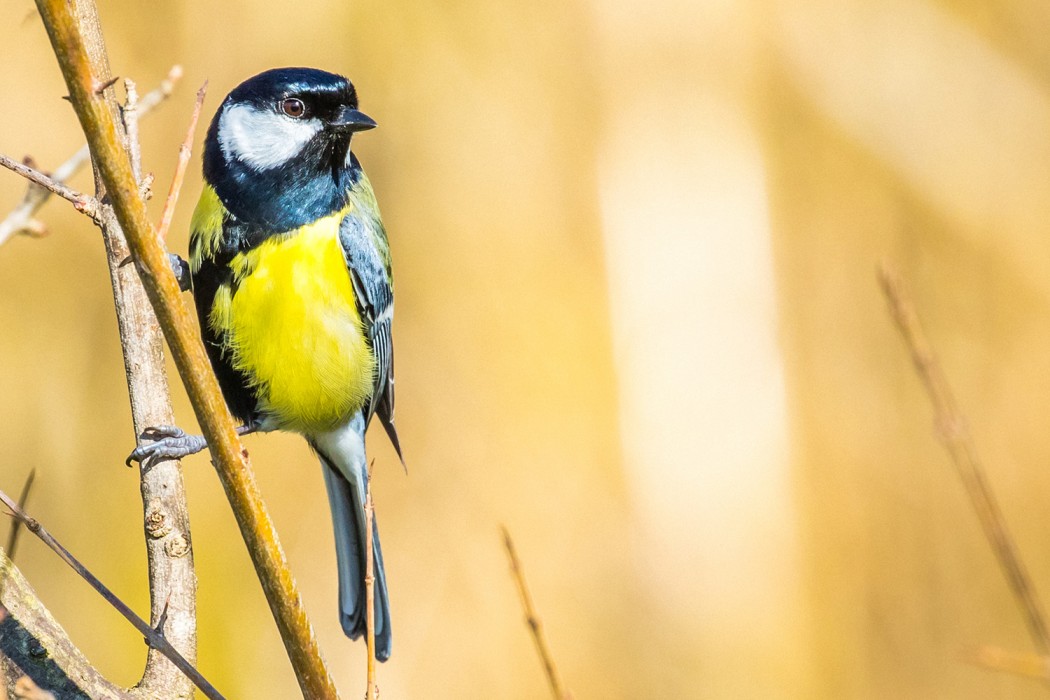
(155, 639)
(996, 659)
(532, 618)
(84, 67)
(22, 220)
(16, 526)
(371, 691)
(952, 428)
(180, 168)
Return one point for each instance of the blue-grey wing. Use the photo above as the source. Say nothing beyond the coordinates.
(364, 244)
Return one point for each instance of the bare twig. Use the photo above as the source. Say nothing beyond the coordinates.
(154, 638)
(82, 202)
(16, 526)
(532, 618)
(22, 218)
(180, 169)
(160, 93)
(81, 64)
(370, 601)
(130, 114)
(1005, 661)
(952, 427)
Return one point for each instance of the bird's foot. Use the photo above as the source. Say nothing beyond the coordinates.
(181, 268)
(168, 442)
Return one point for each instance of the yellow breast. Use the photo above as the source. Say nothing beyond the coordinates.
(293, 327)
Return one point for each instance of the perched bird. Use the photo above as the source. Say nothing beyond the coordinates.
(291, 277)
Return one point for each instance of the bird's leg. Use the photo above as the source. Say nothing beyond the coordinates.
(172, 442)
(168, 442)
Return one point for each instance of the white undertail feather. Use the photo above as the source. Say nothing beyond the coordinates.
(345, 468)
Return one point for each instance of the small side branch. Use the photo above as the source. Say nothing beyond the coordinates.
(82, 202)
(532, 618)
(155, 639)
(952, 428)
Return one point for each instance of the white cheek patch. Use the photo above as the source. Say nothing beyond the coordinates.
(263, 139)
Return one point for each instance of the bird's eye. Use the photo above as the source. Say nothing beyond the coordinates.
(293, 108)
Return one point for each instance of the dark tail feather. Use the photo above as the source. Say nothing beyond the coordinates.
(348, 517)
(391, 432)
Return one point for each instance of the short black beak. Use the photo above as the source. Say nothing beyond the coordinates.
(351, 120)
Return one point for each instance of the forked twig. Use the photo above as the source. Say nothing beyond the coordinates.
(952, 428)
(154, 637)
(532, 618)
(180, 168)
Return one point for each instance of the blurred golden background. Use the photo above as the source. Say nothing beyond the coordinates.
(637, 323)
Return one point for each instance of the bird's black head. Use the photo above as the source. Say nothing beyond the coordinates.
(278, 150)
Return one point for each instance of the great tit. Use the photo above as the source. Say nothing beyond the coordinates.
(291, 277)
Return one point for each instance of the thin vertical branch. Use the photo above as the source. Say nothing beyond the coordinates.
(952, 427)
(130, 114)
(370, 601)
(532, 618)
(84, 68)
(166, 523)
(172, 582)
(166, 527)
(180, 168)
